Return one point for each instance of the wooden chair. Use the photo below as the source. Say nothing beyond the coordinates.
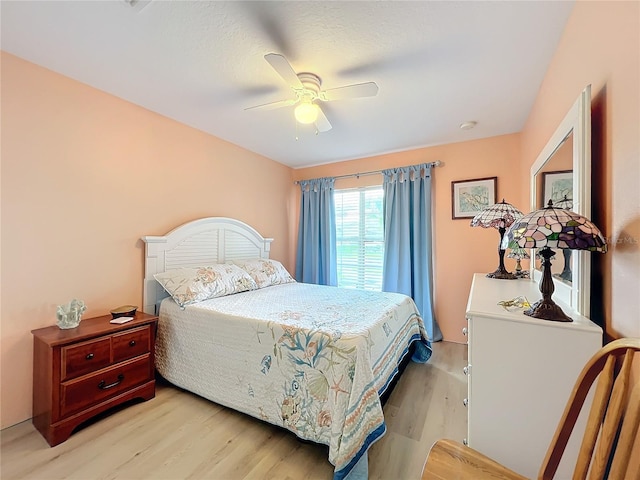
(609, 436)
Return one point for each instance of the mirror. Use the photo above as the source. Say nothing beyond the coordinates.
(563, 169)
(554, 181)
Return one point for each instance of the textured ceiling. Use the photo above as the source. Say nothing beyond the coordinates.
(437, 64)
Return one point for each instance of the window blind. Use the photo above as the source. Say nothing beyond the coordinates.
(359, 237)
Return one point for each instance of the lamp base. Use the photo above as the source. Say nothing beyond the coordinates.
(547, 310)
(502, 274)
(565, 275)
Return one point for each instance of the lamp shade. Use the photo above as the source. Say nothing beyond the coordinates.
(500, 216)
(549, 228)
(517, 251)
(306, 112)
(556, 228)
(565, 203)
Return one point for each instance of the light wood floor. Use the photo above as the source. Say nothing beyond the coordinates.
(179, 435)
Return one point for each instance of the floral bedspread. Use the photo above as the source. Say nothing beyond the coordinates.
(310, 358)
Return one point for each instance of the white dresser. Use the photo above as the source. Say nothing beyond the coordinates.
(521, 372)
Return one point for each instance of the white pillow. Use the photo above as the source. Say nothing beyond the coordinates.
(265, 272)
(192, 285)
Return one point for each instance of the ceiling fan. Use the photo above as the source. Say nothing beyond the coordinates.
(306, 87)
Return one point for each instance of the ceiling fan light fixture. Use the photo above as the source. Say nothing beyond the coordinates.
(306, 112)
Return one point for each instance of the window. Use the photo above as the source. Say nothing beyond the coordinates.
(359, 237)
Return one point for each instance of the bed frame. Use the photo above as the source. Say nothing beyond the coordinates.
(201, 242)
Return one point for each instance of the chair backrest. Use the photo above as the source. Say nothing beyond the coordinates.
(613, 420)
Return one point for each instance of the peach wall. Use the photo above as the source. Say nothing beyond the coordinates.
(84, 176)
(601, 46)
(459, 249)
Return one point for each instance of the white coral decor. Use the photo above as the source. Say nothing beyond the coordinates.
(69, 315)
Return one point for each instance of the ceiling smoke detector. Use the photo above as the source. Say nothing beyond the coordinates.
(468, 125)
(136, 5)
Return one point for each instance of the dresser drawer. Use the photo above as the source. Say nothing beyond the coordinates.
(131, 343)
(85, 357)
(92, 389)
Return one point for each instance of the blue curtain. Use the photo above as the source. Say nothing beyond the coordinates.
(316, 260)
(408, 266)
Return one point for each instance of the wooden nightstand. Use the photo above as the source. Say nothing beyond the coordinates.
(80, 372)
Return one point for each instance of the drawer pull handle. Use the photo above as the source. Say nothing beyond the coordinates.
(89, 356)
(102, 385)
(132, 343)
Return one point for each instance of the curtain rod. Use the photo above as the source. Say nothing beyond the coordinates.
(437, 163)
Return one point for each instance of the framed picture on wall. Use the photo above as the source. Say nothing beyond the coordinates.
(557, 185)
(468, 197)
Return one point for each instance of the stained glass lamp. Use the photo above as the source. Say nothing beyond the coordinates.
(501, 216)
(518, 253)
(549, 228)
(566, 204)
(539, 257)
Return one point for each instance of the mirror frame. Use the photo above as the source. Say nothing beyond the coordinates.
(577, 120)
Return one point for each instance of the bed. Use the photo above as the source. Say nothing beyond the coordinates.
(309, 358)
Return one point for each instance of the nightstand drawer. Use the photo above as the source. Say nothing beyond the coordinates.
(131, 343)
(91, 389)
(85, 357)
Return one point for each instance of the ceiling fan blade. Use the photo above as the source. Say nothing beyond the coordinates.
(322, 124)
(284, 69)
(273, 105)
(369, 89)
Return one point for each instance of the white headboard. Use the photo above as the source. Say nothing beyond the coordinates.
(198, 243)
